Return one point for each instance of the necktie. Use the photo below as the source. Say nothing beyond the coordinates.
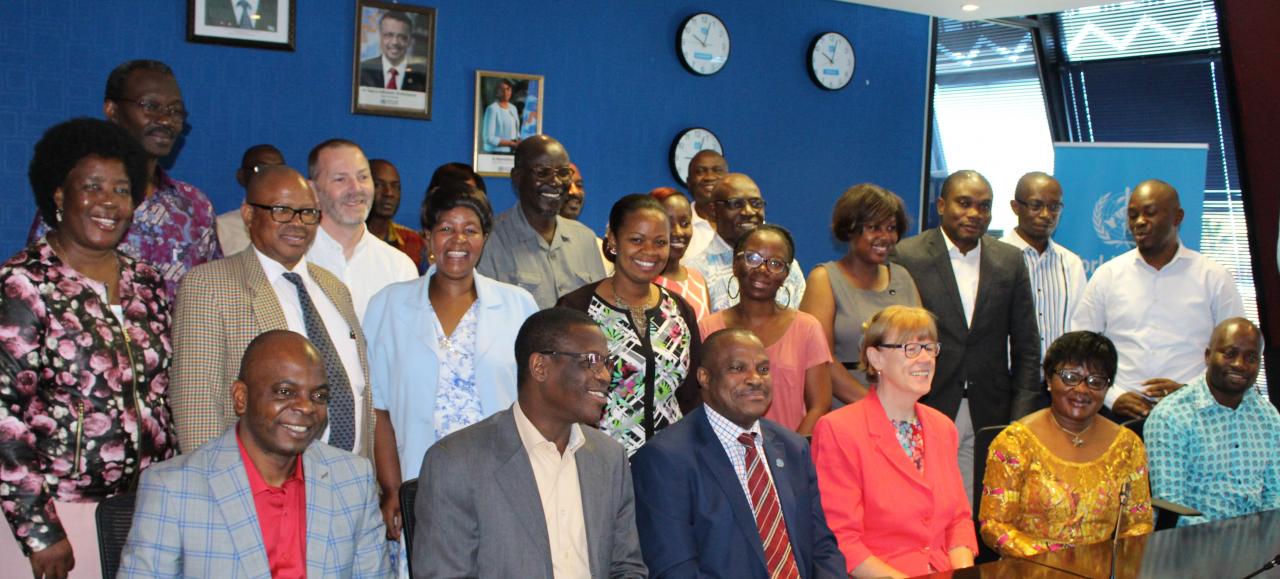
(246, 21)
(779, 561)
(342, 423)
(391, 80)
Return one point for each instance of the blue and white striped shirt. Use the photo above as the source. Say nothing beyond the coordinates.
(1057, 283)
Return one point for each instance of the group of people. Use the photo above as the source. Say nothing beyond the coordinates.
(267, 406)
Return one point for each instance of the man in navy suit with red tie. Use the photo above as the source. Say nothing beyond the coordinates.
(725, 493)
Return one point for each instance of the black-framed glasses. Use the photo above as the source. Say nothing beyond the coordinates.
(1095, 382)
(590, 361)
(912, 350)
(739, 203)
(543, 172)
(156, 111)
(754, 260)
(284, 213)
(1038, 206)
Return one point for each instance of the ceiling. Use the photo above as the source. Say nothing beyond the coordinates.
(986, 8)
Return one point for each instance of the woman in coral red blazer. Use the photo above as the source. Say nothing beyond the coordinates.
(886, 465)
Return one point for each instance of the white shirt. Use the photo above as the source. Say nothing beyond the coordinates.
(561, 494)
(373, 266)
(233, 236)
(341, 334)
(703, 233)
(1057, 284)
(965, 267)
(1160, 320)
(399, 68)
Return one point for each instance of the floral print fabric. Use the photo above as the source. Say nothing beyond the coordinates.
(457, 400)
(911, 438)
(83, 397)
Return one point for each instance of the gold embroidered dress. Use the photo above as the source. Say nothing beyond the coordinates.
(1033, 501)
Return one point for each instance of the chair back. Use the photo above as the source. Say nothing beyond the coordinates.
(408, 491)
(113, 519)
(982, 440)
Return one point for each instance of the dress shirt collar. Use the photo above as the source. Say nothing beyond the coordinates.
(253, 7)
(719, 247)
(531, 438)
(275, 269)
(954, 251)
(258, 485)
(527, 233)
(1184, 253)
(1016, 240)
(727, 431)
(387, 66)
(327, 244)
(1201, 399)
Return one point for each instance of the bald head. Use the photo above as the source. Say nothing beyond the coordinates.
(706, 169)
(963, 177)
(536, 146)
(276, 192)
(282, 399)
(1232, 360)
(738, 208)
(735, 377)
(1154, 216)
(1037, 203)
(1225, 331)
(719, 341)
(269, 178)
(272, 346)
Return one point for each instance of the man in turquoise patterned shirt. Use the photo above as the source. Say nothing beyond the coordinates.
(1212, 444)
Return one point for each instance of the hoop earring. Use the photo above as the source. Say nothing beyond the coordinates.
(789, 296)
(728, 288)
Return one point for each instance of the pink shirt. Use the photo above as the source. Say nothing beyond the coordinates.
(803, 346)
(693, 289)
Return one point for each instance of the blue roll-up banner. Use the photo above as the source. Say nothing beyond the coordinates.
(1096, 181)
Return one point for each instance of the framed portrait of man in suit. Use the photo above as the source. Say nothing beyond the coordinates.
(394, 58)
(255, 23)
(508, 109)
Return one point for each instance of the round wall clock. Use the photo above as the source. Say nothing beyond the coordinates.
(703, 43)
(687, 144)
(831, 61)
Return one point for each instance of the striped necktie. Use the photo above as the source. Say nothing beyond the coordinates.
(342, 418)
(779, 560)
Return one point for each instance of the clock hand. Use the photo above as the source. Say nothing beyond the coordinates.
(828, 58)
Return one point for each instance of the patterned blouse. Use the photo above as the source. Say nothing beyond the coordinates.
(693, 289)
(1033, 501)
(457, 400)
(652, 379)
(83, 401)
(911, 437)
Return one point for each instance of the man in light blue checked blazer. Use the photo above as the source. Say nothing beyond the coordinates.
(225, 511)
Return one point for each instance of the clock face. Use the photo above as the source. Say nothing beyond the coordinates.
(831, 61)
(703, 42)
(687, 144)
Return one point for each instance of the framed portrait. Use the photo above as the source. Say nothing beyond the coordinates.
(255, 23)
(508, 109)
(394, 60)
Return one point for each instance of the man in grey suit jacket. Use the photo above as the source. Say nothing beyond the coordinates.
(529, 492)
(978, 287)
(215, 512)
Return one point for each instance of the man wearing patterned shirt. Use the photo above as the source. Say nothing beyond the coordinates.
(738, 209)
(1212, 443)
(173, 228)
(1057, 274)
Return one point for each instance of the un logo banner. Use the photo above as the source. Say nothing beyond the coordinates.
(1096, 181)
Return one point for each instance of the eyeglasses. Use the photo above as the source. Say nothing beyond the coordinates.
(912, 350)
(156, 111)
(738, 203)
(1038, 206)
(590, 361)
(754, 260)
(1095, 382)
(543, 172)
(284, 213)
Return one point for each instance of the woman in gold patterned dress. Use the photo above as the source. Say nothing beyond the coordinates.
(1055, 478)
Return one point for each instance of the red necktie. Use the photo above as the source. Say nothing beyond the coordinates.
(391, 82)
(779, 561)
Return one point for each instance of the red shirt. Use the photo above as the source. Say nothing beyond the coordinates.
(282, 514)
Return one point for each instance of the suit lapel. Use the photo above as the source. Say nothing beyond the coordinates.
(267, 312)
(229, 485)
(886, 442)
(515, 476)
(986, 276)
(595, 494)
(777, 457)
(713, 458)
(946, 275)
(320, 510)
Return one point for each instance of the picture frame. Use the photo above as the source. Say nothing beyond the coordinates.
(268, 23)
(386, 32)
(493, 142)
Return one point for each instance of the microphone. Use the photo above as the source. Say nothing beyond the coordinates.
(1115, 539)
(1272, 563)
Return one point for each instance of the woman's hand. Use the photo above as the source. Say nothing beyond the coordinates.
(54, 561)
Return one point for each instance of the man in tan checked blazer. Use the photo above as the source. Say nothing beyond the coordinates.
(225, 304)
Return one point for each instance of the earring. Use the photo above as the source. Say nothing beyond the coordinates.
(729, 287)
(613, 251)
(57, 216)
(787, 304)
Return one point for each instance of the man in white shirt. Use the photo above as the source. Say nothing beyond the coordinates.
(1159, 303)
(530, 492)
(223, 305)
(343, 182)
(391, 68)
(232, 234)
(706, 169)
(1057, 275)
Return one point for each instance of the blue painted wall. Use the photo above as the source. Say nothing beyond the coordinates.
(616, 95)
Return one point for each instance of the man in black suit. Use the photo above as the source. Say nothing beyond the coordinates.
(391, 68)
(248, 14)
(979, 290)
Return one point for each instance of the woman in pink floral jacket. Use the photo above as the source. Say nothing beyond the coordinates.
(84, 353)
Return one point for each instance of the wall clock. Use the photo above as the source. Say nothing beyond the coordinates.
(831, 61)
(703, 43)
(687, 144)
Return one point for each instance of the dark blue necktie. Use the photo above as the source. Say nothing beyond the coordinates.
(246, 21)
(342, 423)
